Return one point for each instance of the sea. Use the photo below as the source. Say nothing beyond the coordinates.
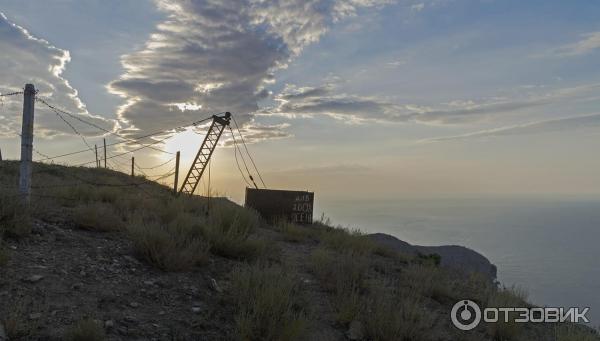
(548, 246)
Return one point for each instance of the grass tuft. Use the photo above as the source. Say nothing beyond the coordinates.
(171, 247)
(97, 216)
(270, 304)
(86, 330)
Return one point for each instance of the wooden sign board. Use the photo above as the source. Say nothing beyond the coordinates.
(294, 206)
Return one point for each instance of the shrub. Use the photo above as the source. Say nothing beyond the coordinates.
(292, 232)
(573, 332)
(86, 330)
(507, 297)
(4, 255)
(430, 281)
(395, 316)
(270, 304)
(15, 218)
(169, 247)
(228, 228)
(344, 240)
(343, 275)
(97, 216)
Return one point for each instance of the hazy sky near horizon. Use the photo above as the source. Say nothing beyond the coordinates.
(349, 98)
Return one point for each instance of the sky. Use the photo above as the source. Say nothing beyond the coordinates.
(348, 98)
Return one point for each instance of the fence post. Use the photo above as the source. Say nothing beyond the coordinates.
(0, 154)
(27, 143)
(132, 164)
(176, 173)
(104, 152)
(97, 162)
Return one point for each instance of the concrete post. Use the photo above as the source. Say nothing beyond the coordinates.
(132, 164)
(27, 143)
(97, 162)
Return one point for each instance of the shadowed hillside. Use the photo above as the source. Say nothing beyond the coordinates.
(101, 255)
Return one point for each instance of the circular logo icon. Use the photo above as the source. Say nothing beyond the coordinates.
(465, 315)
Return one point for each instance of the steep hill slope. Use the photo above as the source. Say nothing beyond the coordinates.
(100, 255)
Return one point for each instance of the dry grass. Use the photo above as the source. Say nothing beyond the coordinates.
(86, 330)
(269, 304)
(4, 254)
(507, 297)
(343, 276)
(15, 219)
(391, 315)
(573, 332)
(344, 240)
(170, 247)
(97, 216)
(294, 233)
(228, 228)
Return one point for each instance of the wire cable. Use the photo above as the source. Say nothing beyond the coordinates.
(237, 162)
(91, 123)
(247, 151)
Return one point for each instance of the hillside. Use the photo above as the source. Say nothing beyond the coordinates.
(101, 255)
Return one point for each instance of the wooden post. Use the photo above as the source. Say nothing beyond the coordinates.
(0, 154)
(27, 143)
(104, 153)
(97, 162)
(132, 164)
(176, 173)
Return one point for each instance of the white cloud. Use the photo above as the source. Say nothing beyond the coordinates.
(219, 56)
(560, 124)
(589, 43)
(28, 59)
(324, 100)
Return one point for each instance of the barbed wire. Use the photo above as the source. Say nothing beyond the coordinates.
(134, 139)
(12, 93)
(74, 130)
(93, 124)
(159, 165)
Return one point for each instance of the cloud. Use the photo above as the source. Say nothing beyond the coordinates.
(214, 56)
(296, 101)
(28, 59)
(560, 124)
(589, 43)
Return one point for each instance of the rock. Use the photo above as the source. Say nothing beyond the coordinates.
(356, 331)
(109, 324)
(134, 304)
(77, 286)
(196, 310)
(35, 316)
(34, 278)
(215, 286)
(452, 256)
(161, 313)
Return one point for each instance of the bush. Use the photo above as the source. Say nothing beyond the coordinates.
(342, 275)
(391, 315)
(86, 330)
(270, 304)
(573, 332)
(4, 255)
(15, 218)
(345, 240)
(176, 246)
(292, 232)
(507, 297)
(97, 216)
(228, 228)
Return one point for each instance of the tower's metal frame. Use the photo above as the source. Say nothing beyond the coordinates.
(204, 153)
